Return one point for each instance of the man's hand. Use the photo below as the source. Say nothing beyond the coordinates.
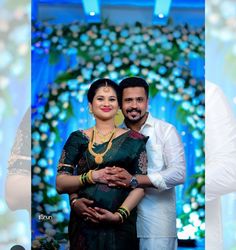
(117, 176)
(82, 208)
(100, 176)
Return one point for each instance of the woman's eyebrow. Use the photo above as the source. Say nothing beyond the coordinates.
(104, 96)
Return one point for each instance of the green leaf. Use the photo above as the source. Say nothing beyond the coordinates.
(54, 57)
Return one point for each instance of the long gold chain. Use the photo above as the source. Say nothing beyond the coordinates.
(103, 137)
(98, 157)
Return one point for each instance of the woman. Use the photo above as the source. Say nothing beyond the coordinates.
(91, 151)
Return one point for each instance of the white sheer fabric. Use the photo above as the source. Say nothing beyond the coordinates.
(220, 161)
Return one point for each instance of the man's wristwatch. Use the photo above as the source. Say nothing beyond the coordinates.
(133, 182)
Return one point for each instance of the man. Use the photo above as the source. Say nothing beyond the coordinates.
(156, 222)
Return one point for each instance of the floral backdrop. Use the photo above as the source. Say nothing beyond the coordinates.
(170, 58)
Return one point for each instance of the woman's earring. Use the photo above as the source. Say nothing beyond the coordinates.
(118, 111)
(119, 118)
(90, 111)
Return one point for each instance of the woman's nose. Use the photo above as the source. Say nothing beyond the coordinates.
(106, 103)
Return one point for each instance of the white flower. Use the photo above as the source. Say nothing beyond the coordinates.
(50, 232)
(36, 244)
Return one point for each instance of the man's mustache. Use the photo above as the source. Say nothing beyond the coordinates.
(134, 109)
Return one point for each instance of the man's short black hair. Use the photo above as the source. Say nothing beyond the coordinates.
(131, 82)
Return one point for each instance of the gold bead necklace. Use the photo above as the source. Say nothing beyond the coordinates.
(98, 157)
(103, 137)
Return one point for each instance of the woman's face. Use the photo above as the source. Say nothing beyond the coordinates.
(105, 104)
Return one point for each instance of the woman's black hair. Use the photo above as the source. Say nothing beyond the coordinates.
(103, 82)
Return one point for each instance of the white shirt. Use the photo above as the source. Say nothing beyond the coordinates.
(220, 161)
(166, 169)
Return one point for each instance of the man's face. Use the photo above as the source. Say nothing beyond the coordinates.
(134, 104)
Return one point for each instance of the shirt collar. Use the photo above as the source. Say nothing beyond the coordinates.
(149, 122)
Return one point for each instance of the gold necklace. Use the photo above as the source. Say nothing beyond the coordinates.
(98, 157)
(103, 137)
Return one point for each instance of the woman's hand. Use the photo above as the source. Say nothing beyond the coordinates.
(104, 215)
(82, 207)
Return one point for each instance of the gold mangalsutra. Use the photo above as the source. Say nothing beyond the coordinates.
(98, 157)
(104, 138)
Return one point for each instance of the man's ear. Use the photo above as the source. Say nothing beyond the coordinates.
(147, 102)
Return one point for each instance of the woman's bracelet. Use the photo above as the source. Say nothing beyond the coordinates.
(86, 178)
(120, 216)
(90, 178)
(73, 200)
(125, 209)
(123, 212)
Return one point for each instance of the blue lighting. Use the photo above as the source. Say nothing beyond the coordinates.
(161, 11)
(92, 11)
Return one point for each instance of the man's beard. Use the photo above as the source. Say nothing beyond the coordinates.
(135, 120)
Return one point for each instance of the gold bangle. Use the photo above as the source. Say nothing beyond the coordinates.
(121, 217)
(83, 178)
(122, 213)
(86, 178)
(90, 178)
(126, 209)
(80, 180)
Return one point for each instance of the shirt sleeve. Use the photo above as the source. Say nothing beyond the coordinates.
(69, 155)
(220, 145)
(173, 153)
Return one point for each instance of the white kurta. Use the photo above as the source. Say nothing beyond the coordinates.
(166, 169)
(220, 161)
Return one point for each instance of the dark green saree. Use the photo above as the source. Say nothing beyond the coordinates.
(127, 151)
